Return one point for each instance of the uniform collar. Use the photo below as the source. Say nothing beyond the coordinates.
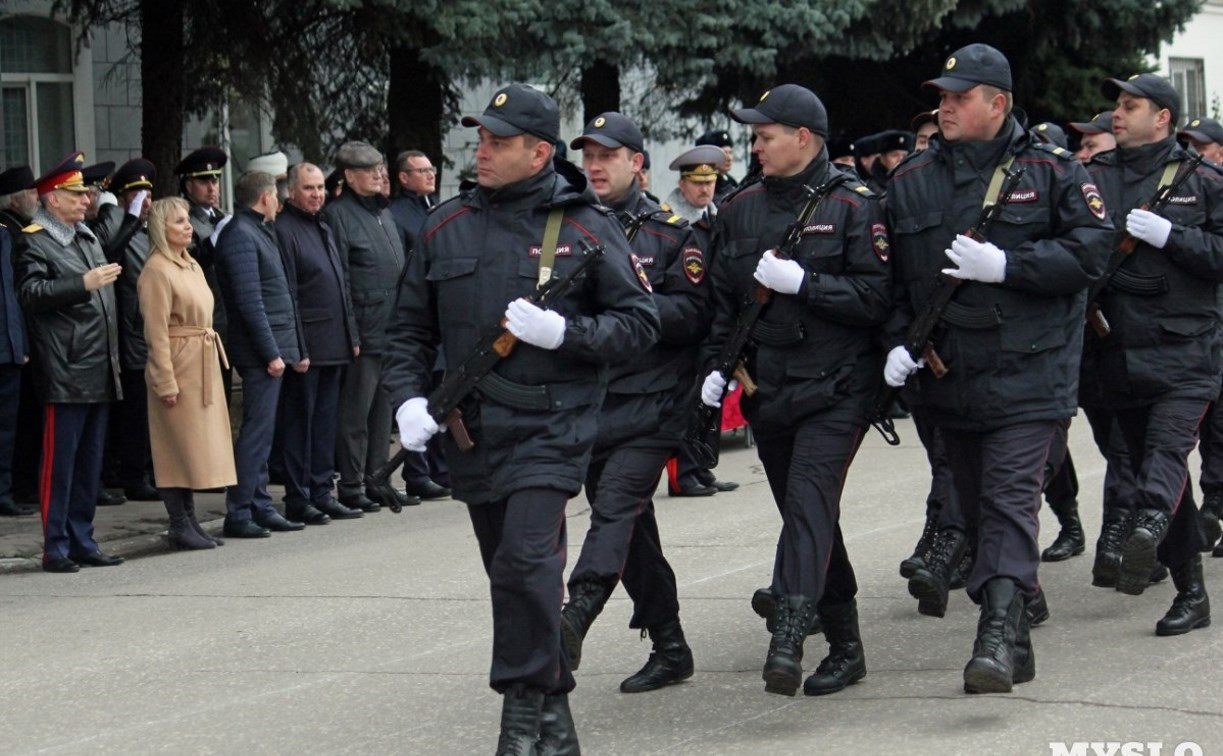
(61, 232)
(1147, 158)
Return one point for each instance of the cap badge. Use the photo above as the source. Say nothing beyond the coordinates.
(950, 63)
(766, 94)
(79, 159)
(1196, 123)
(1135, 76)
(500, 100)
(599, 122)
(1043, 127)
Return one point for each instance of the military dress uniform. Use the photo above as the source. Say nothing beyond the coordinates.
(641, 424)
(816, 363)
(1011, 347)
(534, 419)
(1160, 363)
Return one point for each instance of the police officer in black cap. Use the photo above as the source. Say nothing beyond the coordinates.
(1160, 364)
(643, 418)
(199, 182)
(816, 363)
(1205, 135)
(1095, 136)
(123, 232)
(534, 418)
(1011, 339)
(720, 138)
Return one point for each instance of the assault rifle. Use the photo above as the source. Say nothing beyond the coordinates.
(919, 341)
(494, 345)
(1160, 200)
(704, 427)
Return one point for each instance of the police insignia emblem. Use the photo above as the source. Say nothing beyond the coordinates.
(500, 100)
(1095, 203)
(599, 122)
(694, 264)
(641, 276)
(879, 241)
(950, 63)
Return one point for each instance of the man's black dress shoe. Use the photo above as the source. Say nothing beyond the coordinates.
(337, 511)
(695, 491)
(306, 513)
(60, 564)
(10, 508)
(108, 499)
(141, 492)
(276, 523)
(360, 501)
(97, 559)
(244, 529)
(427, 491)
(724, 485)
(402, 498)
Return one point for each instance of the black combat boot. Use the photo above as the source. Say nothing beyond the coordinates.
(1025, 658)
(586, 600)
(845, 663)
(783, 667)
(1138, 550)
(959, 576)
(930, 584)
(992, 668)
(1070, 541)
(520, 713)
(557, 735)
(669, 662)
(1191, 607)
(1210, 514)
(764, 604)
(1113, 531)
(917, 559)
(1037, 608)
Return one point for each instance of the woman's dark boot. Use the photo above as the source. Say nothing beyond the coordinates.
(181, 534)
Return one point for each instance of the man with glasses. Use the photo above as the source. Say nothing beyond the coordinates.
(417, 180)
(371, 249)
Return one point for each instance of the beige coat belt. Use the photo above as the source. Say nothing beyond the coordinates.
(216, 351)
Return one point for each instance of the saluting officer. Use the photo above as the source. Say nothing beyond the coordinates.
(815, 361)
(1011, 338)
(1160, 362)
(534, 418)
(643, 418)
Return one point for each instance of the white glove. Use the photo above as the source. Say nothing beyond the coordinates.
(416, 425)
(216, 232)
(714, 388)
(976, 261)
(1146, 226)
(534, 325)
(782, 276)
(106, 198)
(136, 206)
(900, 366)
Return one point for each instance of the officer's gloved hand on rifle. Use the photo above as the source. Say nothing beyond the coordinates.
(715, 388)
(1146, 226)
(534, 325)
(900, 366)
(782, 276)
(976, 261)
(416, 425)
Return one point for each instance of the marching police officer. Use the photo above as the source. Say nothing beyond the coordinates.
(1012, 335)
(534, 418)
(643, 419)
(815, 360)
(1159, 362)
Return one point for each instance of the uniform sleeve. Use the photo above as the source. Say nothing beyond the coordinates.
(725, 302)
(1199, 250)
(1076, 251)
(40, 291)
(683, 299)
(901, 314)
(862, 294)
(412, 334)
(626, 319)
(156, 296)
(237, 257)
(115, 228)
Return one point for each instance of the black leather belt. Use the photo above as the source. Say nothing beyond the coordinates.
(777, 334)
(972, 318)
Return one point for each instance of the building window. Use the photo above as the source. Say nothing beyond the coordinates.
(1189, 78)
(37, 97)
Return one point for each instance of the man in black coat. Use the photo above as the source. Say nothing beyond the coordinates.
(534, 418)
(264, 337)
(1160, 364)
(1011, 339)
(309, 401)
(16, 185)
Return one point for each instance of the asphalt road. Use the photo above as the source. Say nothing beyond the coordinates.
(373, 636)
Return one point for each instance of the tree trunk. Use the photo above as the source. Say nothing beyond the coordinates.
(161, 63)
(600, 89)
(416, 100)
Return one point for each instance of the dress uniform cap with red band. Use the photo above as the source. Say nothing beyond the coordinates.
(67, 174)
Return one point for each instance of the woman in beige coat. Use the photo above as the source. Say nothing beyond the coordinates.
(188, 418)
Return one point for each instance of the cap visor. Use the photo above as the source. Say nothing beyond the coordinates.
(1112, 89)
(74, 188)
(950, 84)
(492, 123)
(750, 115)
(600, 139)
(1087, 127)
(1195, 135)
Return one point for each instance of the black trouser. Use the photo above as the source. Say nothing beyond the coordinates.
(135, 454)
(806, 471)
(522, 544)
(309, 402)
(998, 477)
(363, 431)
(10, 391)
(942, 496)
(27, 456)
(1159, 437)
(1211, 450)
(1119, 485)
(623, 542)
(1063, 485)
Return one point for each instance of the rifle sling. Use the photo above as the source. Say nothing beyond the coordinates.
(995, 182)
(547, 253)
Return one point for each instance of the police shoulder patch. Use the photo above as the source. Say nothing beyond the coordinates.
(1095, 202)
(879, 241)
(640, 270)
(1053, 149)
(693, 261)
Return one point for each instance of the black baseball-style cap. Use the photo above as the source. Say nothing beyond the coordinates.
(612, 130)
(519, 109)
(1102, 123)
(972, 65)
(1205, 130)
(1155, 88)
(789, 105)
(1050, 133)
(716, 138)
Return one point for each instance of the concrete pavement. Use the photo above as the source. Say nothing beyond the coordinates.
(373, 636)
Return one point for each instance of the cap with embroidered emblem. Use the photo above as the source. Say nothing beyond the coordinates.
(971, 66)
(134, 174)
(1102, 123)
(1153, 87)
(519, 109)
(205, 161)
(1205, 130)
(788, 105)
(613, 130)
(699, 164)
(65, 175)
(1050, 133)
(715, 137)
